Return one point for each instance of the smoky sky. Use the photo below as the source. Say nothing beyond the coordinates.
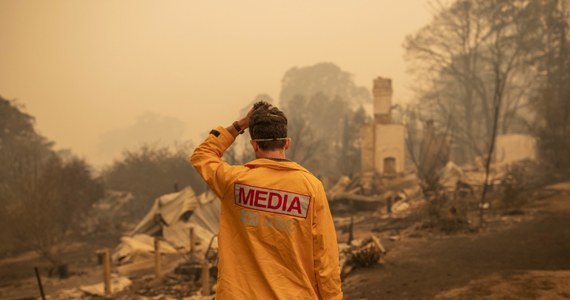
(86, 69)
(148, 129)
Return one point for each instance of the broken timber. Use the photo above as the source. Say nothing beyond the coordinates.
(379, 198)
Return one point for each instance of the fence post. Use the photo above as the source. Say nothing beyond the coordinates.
(205, 278)
(40, 283)
(191, 240)
(157, 267)
(107, 271)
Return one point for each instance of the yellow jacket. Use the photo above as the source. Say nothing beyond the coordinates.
(277, 238)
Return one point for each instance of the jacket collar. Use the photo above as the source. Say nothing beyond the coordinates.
(275, 164)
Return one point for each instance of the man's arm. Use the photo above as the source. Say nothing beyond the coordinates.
(207, 157)
(325, 245)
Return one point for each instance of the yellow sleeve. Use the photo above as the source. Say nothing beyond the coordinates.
(326, 261)
(207, 160)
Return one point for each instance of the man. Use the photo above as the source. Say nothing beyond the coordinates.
(277, 238)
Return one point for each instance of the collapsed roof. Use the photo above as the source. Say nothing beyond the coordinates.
(170, 219)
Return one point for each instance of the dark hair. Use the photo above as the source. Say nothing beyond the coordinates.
(268, 122)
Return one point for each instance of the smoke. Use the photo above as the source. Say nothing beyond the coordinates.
(149, 128)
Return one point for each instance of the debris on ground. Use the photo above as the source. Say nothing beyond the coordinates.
(175, 286)
(374, 191)
(360, 254)
(118, 284)
(559, 187)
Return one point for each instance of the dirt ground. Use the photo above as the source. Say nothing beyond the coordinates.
(17, 276)
(517, 256)
(525, 256)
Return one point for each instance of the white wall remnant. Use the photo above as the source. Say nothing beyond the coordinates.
(389, 154)
(367, 148)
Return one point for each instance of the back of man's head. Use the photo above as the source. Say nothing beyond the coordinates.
(268, 126)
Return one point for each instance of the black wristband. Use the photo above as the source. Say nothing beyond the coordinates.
(237, 127)
(215, 133)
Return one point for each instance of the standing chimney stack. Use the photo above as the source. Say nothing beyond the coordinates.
(382, 91)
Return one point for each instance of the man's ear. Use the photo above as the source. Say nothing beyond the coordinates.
(288, 142)
(254, 145)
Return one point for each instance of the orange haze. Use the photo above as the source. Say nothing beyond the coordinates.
(88, 70)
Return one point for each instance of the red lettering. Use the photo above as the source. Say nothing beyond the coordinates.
(284, 203)
(273, 201)
(247, 200)
(272, 196)
(258, 198)
(295, 204)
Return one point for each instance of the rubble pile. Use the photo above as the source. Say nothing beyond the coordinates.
(173, 285)
(360, 253)
(370, 191)
(119, 286)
